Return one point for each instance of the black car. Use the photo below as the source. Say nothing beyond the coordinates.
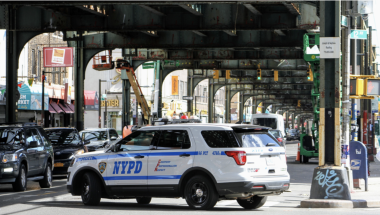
(26, 154)
(293, 135)
(67, 143)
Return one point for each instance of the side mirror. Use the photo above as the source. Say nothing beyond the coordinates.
(113, 138)
(33, 144)
(86, 142)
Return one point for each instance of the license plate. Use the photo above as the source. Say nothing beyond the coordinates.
(58, 165)
(270, 161)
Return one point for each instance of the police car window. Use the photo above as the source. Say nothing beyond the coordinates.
(253, 139)
(220, 139)
(113, 133)
(174, 139)
(138, 140)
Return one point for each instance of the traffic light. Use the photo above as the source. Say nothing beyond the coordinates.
(275, 75)
(216, 74)
(259, 73)
(310, 74)
(299, 103)
(228, 74)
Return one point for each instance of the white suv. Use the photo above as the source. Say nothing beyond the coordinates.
(203, 163)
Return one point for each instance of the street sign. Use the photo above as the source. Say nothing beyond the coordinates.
(359, 34)
(330, 47)
(344, 21)
(148, 65)
(187, 97)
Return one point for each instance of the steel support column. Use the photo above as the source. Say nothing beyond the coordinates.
(126, 105)
(190, 93)
(329, 128)
(227, 111)
(241, 106)
(11, 68)
(79, 69)
(210, 111)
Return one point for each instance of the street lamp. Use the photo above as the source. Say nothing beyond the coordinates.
(105, 103)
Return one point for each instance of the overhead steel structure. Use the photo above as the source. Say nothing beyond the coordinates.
(198, 36)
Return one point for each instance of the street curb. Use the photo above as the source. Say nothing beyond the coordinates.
(336, 203)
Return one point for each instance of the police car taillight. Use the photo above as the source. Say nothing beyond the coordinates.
(239, 156)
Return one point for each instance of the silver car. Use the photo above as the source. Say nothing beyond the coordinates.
(100, 138)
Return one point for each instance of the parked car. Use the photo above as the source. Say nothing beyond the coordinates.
(293, 135)
(202, 163)
(278, 135)
(66, 144)
(99, 138)
(26, 155)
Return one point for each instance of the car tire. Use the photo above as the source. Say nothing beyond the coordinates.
(21, 180)
(200, 193)
(143, 200)
(47, 182)
(304, 159)
(91, 189)
(252, 203)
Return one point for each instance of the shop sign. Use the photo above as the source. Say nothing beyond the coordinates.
(31, 100)
(110, 103)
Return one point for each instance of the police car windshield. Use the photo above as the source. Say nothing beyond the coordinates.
(11, 136)
(64, 137)
(254, 139)
(95, 135)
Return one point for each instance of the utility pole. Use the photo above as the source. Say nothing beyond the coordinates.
(329, 127)
(346, 88)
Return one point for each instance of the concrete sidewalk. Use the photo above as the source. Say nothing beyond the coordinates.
(359, 197)
(301, 176)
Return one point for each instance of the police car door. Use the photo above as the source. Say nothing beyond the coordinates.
(171, 157)
(127, 167)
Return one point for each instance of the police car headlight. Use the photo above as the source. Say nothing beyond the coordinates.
(9, 157)
(79, 152)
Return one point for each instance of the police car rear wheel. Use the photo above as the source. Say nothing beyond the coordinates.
(200, 193)
(90, 193)
(253, 202)
(143, 200)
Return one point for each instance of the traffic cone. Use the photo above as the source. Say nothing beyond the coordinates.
(298, 153)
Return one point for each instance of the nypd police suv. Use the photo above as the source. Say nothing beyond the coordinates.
(203, 163)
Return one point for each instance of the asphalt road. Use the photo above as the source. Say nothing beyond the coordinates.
(56, 200)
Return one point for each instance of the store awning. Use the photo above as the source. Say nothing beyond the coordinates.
(56, 107)
(72, 107)
(65, 108)
(51, 109)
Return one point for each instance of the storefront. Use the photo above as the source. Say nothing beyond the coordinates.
(57, 113)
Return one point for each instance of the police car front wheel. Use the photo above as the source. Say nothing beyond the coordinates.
(252, 203)
(90, 192)
(200, 193)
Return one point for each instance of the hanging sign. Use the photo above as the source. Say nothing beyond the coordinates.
(330, 47)
(58, 56)
(174, 85)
